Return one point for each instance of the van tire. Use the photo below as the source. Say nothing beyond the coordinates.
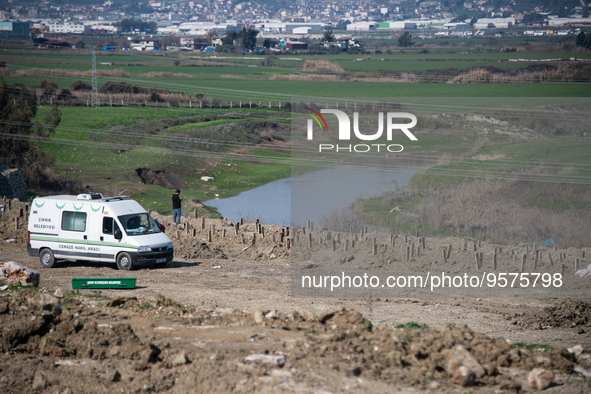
(46, 258)
(124, 262)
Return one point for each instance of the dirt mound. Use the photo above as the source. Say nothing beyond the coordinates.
(165, 302)
(162, 178)
(263, 351)
(12, 238)
(574, 314)
(195, 249)
(38, 325)
(192, 240)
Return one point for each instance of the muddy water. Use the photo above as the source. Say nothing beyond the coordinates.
(314, 194)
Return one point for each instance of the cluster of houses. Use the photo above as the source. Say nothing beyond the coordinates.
(47, 23)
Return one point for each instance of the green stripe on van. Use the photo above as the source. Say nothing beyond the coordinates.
(81, 241)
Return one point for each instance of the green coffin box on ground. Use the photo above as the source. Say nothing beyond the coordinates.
(103, 283)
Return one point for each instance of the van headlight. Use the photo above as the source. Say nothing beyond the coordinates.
(169, 246)
(144, 249)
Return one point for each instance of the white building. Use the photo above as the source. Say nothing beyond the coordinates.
(108, 28)
(68, 28)
(402, 25)
(201, 28)
(144, 44)
(499, 23)
(270, 26)
(362, 26)
(456, 26)
(567, 21)
(302, 30)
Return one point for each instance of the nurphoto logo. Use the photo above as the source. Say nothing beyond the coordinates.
(345, 131)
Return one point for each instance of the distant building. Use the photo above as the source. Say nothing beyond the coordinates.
(296, 45)
(14, 30)
(144, 44)
(49, 42)
(77, 44)
(313, 28)
(568, 21)
(68, 28)
(400, 25)
(499, 23)
(301, 30)
(195, 43)
(362, 26)
(202, 28)
(456, 26)
(105, 28)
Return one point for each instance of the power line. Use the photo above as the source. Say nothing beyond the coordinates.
(94, 103)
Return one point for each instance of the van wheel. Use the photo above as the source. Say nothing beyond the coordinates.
(46, 258)
(124, 262)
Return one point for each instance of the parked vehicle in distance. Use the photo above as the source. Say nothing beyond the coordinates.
(108, 48)
(90, 227)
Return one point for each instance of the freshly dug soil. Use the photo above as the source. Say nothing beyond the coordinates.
(575, 314)
(130, 344)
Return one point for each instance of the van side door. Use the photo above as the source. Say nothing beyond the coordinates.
(73, 239)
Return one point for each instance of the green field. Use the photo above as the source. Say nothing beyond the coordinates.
(104, 147)
(85, 148)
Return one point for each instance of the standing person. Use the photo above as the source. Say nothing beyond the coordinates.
(176, 206)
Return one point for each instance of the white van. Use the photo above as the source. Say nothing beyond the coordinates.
(90, 227)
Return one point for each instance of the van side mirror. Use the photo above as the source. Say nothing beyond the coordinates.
(118, 234)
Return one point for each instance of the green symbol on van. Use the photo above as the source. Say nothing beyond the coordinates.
(95, 210)
(39, 205)
(58, 207)
(76, 208)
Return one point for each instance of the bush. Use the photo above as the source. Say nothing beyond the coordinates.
(122, 87)
(79, 85)
(65, 94)
(155, 97)
(48, 85)
(159, 90)
(48, 92)
(377, 51)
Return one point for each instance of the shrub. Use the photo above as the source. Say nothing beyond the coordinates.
(65, 94)
(159, 90)
(315, 65)
(48, 85)
(79, 85)
(155, 97)
(122, 87)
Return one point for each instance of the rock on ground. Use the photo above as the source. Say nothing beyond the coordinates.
(12, 272)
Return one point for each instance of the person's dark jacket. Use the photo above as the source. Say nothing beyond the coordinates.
(176, 201)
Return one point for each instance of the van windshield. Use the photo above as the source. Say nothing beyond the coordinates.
(138, 224)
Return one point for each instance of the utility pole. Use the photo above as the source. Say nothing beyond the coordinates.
(94, 94)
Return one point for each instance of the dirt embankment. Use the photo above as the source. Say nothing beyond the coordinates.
(132, 344)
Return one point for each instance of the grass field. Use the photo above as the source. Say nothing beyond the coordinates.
(82, 151)
(103, 147)
(210, 73)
